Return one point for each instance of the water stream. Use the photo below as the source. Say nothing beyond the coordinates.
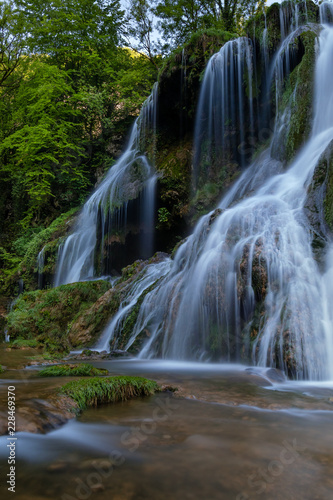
(236, 435)
(85, 253)
(254, 249)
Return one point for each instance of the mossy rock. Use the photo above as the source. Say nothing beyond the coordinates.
(89, 325)
(21, 343)
(319, 204)
(45, 316)
(295, 114)
(80, 370)
(97, 391)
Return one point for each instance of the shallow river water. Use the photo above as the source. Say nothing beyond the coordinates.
(232, 434)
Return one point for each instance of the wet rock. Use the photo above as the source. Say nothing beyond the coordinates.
(275, 375)
(97, 487)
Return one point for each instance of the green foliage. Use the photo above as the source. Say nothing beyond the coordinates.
(20, 262)
(98, 391)
(299, 95)
(140, 28)
(11, 45)
(22, 343)
(42, 147)
(76, 34)
(69, 94)
(179, 19)
(163, 215)
(46, 315)
(324, 175)
(81, 370)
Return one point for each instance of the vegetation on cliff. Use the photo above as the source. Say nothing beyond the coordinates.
(46, 315)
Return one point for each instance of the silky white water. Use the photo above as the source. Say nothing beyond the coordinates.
(131, 177)
(245, 285)
(220, 121)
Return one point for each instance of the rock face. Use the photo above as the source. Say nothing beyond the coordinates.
(319, 203)
(295, 113)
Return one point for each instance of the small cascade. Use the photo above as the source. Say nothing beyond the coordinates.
(284, 62)
(150, 275)
(40, 268)
(125, 198)
(183, 96)
(13, 302)
(306, 16)
(245, 285)
(225, 109)
(326, 12)
(289, 18)
(264, 47)
(293, 14)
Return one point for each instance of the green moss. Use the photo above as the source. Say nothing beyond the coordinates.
(21, 261)
(46, 315)
(96, 391)
(299, 95)
(256, 25)
(21, 343)
(81, 370)
(326, 164)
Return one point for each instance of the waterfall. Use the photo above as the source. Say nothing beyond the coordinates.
(40, 267)
(86, 252)
(147, 278)
(183, 96)
(245, 285)
(224, 101)
(326, 12)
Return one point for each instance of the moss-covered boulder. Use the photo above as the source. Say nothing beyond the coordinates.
(47, 315)
(80, 370)
(296, 111)
(97, 391)
(319, 202)
(88, 326)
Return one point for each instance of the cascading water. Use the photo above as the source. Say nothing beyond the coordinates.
(147, 278)
(245, 284)
(40, 267)
(85, 253)
(326, 12)
(224, 102)
(292, 15)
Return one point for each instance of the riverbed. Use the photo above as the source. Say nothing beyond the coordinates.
(229, 432)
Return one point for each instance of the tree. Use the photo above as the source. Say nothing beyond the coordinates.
(179, 19)
(76, 92)
(78, 35)
(42, 145)
(11, 45)
(140, 27)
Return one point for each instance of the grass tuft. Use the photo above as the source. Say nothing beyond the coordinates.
(82, 370)
(96, 391)
(20, 343)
